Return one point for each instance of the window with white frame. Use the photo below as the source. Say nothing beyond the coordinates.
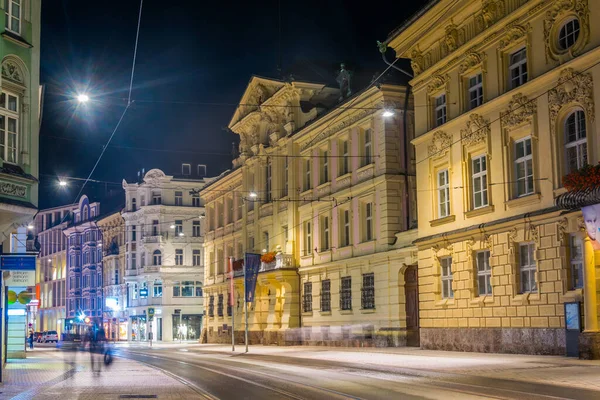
(286, 178)
(157, 289)
(178, 198)
(268, 180)
(307, 183)
(440, 109)
(325, 233)
(196, 229)
(367, 147)
(568, 34)
(345, 228)
(368, 221)
(484, 273)
(575, 141)
(576, 258)
(178, 256)
(196, 200)
(12, 15)
(479, 171)
(344, 159)
(178, 227)
(517, 68)
(527, 268)
(307, 297)
(324, 166)
(157, 257)
(524, 167)
(443, 193)
(307, 238)
(446, 267)
(186, 169)
(156, 198)
(475, 91)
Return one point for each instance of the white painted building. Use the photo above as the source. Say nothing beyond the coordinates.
(164, 255)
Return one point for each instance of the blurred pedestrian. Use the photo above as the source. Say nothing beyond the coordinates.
(31, 339)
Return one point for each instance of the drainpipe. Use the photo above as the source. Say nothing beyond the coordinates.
(382, 49)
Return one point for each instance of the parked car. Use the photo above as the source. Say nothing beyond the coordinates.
(50, 336)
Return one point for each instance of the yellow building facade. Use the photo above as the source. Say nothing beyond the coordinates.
(324, 186)
(505, 94)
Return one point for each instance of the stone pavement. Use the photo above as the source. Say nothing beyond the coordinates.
(51, 374)
(553, 370)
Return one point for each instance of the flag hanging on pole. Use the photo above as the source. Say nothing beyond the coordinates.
(231, 281)
(251, 266)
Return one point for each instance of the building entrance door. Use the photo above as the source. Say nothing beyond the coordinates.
(411, 290)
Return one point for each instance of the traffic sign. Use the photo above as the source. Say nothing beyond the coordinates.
(150, 313)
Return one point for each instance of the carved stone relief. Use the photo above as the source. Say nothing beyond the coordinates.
(491, 11)
(556, 14)
(451, 38)
(573, 87)
(438, 82)
(12, 189)
(417, 61)
(440, 144)
(512, 238)
(561, 230)
(520, 109)
(11, 71)
(471, 60)
(513, 34)
(478, 130)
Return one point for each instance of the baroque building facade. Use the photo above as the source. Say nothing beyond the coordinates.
(508, 91)
(323, 187)
(113, 270)
(164, 264)
(51, 270)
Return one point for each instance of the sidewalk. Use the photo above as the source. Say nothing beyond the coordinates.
(50, 374)
(553, 370)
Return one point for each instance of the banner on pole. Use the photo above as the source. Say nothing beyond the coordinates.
(231, 281)
(251, 267)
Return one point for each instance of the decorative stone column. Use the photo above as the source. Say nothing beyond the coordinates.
(589, 341)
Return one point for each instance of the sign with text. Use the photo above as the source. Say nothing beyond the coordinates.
(143, 293)
(17, 263)
(18, 278)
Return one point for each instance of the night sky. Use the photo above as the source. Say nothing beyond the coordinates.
(189, 52)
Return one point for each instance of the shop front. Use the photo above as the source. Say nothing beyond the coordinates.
(187, 326)
(138, 328)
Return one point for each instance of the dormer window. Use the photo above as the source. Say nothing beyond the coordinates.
(186, 169)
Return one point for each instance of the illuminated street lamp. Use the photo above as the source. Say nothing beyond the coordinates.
(181, 233)
(62, 183)
(30, 227)
(172, 227)
(83, 98)
(388, 113)
(253, 195)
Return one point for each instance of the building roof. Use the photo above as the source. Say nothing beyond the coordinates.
(402, 27)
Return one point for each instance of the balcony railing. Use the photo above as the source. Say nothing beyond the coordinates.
(131, 272)
(149, 269)
(281, 261)
(153, 239)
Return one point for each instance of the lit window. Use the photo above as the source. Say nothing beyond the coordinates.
(12, 16)
(440, 110)
(568, 35)
(475, 91)
(484, 272)
(307, 238)
(524, 167)
(575, 141)
(576, 256)
(480, 196)
(446, 265)
(517, 68)
(443, 190)
(527, 268)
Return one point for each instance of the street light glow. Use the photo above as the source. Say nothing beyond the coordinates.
(62, 183)
(172, 227)
(83, 98)
(388, 113)
(181, 233)
(30, 227)
(253, 195)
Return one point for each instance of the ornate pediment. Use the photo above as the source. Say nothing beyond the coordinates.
(11, 71)
(491, 11)
(471, 60)
(440, 144)
(560, 9)
(478, 130)
(573, 88)
(519, 110)
(154, 175)
(438, 82)
(417, 62)
(513, 34)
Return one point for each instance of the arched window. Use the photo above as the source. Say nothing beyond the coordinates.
(11, 110)
(575, 141)
(157, 257)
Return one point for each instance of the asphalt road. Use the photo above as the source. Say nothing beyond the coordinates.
(252, 376)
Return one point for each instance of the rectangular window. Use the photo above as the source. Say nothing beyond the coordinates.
(326, 295)
(156, 198)
(133, 233)
(229, 201)
(443, 190)
(346, 293)
(517, 68)
(307, 183)
(479, 170)
(440, 110)
(155, 227)
(220, 306)
(524, 167)
(344, 160)
(178, 198)
(475, 91)
(484, 272)
(307, 238)
(196, 260)
(368, 147)
(187, 288)
(133, 260)
(307, 297)
(178, 256)
(368, 292)
(195, 200)
(269, 179)
(178, 227)
(527, 268)
(157, 289)
(369, 234)
(325, 233)
(446, 266)
(186, 169)
(576, 257)
(211, 306)
(12, 18)
(266, 240)
(286, 178)
(345, 218)
(250, 189)
(196, 229)
(324, 166)
(220, 213)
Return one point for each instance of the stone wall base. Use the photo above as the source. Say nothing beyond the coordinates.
(542, 341)
(589, 346)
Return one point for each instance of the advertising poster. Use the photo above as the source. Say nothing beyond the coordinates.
(590, 218)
